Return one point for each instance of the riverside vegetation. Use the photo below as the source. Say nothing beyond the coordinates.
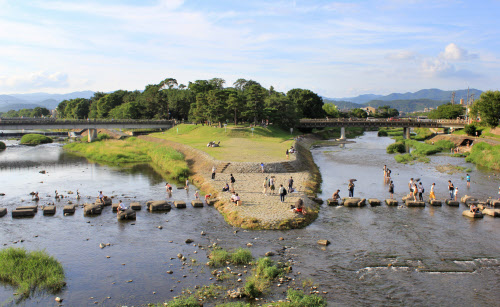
(30, 271)
(35, 139)
(2, 146)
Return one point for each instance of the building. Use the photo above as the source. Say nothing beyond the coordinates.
(369, 110)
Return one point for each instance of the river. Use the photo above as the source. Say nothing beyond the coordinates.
(388, 256)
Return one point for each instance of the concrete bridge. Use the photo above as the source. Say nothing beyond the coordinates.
(92, 124)
(406, 124)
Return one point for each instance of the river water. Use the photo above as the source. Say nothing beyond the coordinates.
(385, 256)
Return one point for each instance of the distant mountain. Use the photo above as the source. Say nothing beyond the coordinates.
(432, 94)
(343, 105)
(58, 97)
(17, 106)
(406, 105)
(30, 101)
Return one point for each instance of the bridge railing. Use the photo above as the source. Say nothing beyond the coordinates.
(53, 121)
(382, 120)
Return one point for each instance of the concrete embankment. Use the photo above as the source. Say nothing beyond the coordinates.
(260, 209)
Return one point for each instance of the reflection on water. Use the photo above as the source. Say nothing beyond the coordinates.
(383, 256)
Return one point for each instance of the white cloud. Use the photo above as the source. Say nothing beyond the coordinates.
(454, 53)
(402, 55)
(436, 67)
(36, 80)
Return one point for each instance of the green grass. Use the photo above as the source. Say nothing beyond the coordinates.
(397, 147)
(2, 146)
(220, 257)
(183, 301)
(390, 132)
(30, 271)
(297, 298)
(241, 256)
(236, 143)
(133, 150)
(262, 275)
(234, 304)
(486, 155)
(405, 158)
(35, 139)
(422, 134)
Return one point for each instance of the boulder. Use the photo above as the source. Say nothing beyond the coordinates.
(353, 202)
(69, 209)
(407, 197)
(107, 202)
(412, 203)
(114, 207)
(128, 214)
(179, 204)
(158, 205)
(34, 208)
(373, 202)
(49, 210)
(135, 206)
(23, 212)
(470, 214)
(323, 242)
(452, 203)
(495, 203)
(391, 202)
(492, 212)
(435, 202)
(92, 209)
(3, 211)
(211, 201)
(197, 203)
(466, 199)
(331, 202)
(318, 200)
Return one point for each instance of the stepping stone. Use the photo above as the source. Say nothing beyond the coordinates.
(107, 202)
(331, 202)
(323, 242)
(158, 205)
(391, 202)
(34, 208)
(92, 209)
(354, 202)
(492, 212)
(470, 214)
(495, 203)
(114, 207)
(69, 209)
(179, 204)
(135, 206)
(128, 214)
(3, 211)
(452, 203)
(49, 210)
(412, 203)
(23, 213)
(435, 202)
(197, 203)
(211, 201)
(373, 202)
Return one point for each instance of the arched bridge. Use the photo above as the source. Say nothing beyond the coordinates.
(391, 123)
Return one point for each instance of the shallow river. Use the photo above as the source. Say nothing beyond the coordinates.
(386, 256)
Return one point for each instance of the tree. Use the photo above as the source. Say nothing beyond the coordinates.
(447, 111)
(255, 102)
(280, 110)
(217, 83)
(309, 104)
(216, 105)
(331, 110)
(488, 107)
(359, 113)
(470, 129)
(235, 104)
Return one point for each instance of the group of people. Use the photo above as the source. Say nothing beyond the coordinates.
(213, 144)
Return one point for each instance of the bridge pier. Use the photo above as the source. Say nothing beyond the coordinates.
(342, 133)
(406, 132)
(92, 135)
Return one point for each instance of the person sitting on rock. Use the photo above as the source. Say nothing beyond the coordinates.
(474, 208)
(226, 188)
(121, 207)
(336, 195)
(299, 207)
(101, 197)
(36, 197)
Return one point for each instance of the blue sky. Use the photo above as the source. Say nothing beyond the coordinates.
(335, 48)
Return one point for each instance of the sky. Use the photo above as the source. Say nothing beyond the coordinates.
(334, 48)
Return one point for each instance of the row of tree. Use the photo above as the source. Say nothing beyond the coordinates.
(36, 112)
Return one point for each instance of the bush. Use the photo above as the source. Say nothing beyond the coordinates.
(382, 133)
(299, 299)
(445, 145)
(2, 145)
(397, 147)
(219, 257)
(103, 136)
(485, 155)
(470, 129)
(30, 271)
(35, 139)
(404, 158)
(241, 256)
(251, 289)
(186, 301)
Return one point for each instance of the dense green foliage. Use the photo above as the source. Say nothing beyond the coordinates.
(219, 257)
(183, 301)
(470, 129)
(488, 108)
(2, 145)
(201, 101)
(486, 155)
(30, 271)
(234, 304)
(262, 275)
(397, 147)
(298, 298)
(36, 112)
(447, 111)
(35, 139)
(382, 132)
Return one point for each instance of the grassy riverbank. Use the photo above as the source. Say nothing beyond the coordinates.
(485, 155)
(35, 139)
(30, 271)
(133, 150)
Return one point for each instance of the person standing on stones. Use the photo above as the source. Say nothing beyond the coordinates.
(121, 207)
(468, 180)
(213, 172)
(262, 167)
(232, 180)
(391, 189)
(350, 187)
(290, 185)
(410, 185)
(432, 196)
(451, 188)
(420, 191)
(287, 153)
(271, 182)
(282, 192)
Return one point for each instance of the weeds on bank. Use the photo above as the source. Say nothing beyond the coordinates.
(35, 139)
(263, 274)
(220, 257)
(419, 150)
(30, 271)
(298, 298)
(485, 155)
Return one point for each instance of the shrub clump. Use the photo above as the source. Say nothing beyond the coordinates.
(397, 147)
(241, 256)
(219, 257)
(30, 271)
(382, 132)
(263, 274)
(35, 139)
(2, 146)
(486, 155)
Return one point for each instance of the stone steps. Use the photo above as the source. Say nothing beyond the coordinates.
(224, 167)
(288, 167)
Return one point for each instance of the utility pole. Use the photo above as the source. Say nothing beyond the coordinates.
(453, 97)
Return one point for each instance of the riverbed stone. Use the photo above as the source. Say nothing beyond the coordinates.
(107, 202)
(92, 209)
(374, 202)
(470, 214)
(135, 206)
(3, 211)
(391, 202)
(435, 202)
(467, 199)
(452, 203)
(353, 202)
(114, 207)
(69, 209)
(211, 201)
(492, 212)
(23, 213)
(158, 205)
(495, 203)
(128, 214)
(197, 203)
(34, 208)
(412, 203)
(332, 202)
(49, 210)
(179, 204)
(323, 242)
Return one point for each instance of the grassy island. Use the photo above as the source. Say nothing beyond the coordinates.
(35, 139)
(30, 271)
